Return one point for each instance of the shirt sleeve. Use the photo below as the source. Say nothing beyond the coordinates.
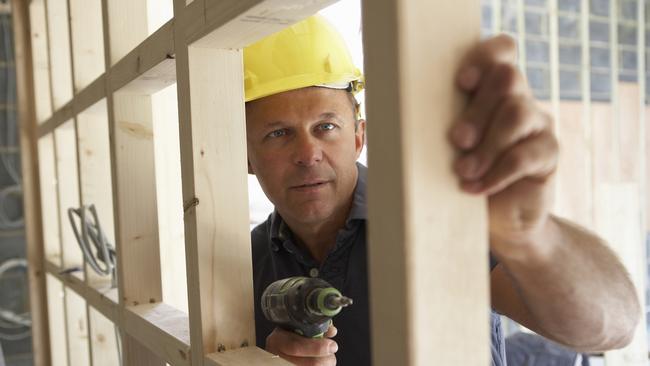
(493, 262)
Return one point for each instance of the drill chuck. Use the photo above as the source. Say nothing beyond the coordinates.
(303, 305)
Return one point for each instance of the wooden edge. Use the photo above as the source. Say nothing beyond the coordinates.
(239, 23)
(245, 356)
(31, 183)
(161, 328)
(154, 50)
(150, 324)
(85, 99)
(102, 298)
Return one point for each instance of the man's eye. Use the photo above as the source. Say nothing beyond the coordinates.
(277, 133)
(327, 126)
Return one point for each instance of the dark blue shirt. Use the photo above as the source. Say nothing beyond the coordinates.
(276, 256)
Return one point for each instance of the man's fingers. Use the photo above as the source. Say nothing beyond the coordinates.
(501, 49)
(516, 119)
(310, 361)
(283, 342)
(331, 331)
(534, 158)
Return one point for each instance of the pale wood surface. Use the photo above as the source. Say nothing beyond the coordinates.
(169, 197)
(244, 357)
(77, 329)
(95, 172)
(59, 51)
(47, 176)
(41, 62)
(103, 341)
(87, 41)
(618, 220)
(57, 320)
(26, 108)
(427, 240)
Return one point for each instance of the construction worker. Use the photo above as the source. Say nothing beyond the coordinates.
(304, 136)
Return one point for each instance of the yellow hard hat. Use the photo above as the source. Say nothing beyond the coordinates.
(309, 53)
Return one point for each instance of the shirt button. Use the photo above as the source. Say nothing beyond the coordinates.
(313, 272)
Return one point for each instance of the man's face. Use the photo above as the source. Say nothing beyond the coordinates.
(302, 146)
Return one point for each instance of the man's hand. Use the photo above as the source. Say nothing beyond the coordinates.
(508, 150)
(303, 351)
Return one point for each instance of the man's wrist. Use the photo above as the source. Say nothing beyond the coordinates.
(534, 248)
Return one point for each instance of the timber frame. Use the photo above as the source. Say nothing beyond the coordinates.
(137, 107)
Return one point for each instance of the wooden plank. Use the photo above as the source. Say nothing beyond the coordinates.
(416, 210)
(245, 356)
(219, 246)
(26, 75)
(237, 23)
(103, 340)
(83, 100)
(41, 61)
(130, 22)
(135, 212)
(95, 173)
(87, 41)
(59, 50)
(49, 204)
(55, 297)
(162, 328)
(618, 221)
(101, 297)
(68, 193)
(147, 63)
(169, 197)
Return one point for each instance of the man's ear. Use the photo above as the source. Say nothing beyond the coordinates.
(360, 136)
(250, 168)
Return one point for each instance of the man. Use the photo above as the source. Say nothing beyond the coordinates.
(304, 137)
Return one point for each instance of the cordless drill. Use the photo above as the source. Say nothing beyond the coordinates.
(303, 305)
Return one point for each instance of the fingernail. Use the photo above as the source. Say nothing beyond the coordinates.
(468, 167)
(334, 347)
(465, 135)
(469, 78)
(473, 187)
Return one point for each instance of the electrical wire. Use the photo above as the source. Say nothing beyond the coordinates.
(10, 320)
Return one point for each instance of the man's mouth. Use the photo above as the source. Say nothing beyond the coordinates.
(308, 185)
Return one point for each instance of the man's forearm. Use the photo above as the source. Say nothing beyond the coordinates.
(574, 287)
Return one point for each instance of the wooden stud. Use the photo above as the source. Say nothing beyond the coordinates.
(27, 74)
(47, 177)
(59, 51)
(87, 41)
(55, 296)
(409, 231)
(41, 62)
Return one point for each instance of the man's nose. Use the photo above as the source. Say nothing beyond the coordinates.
(307, 151)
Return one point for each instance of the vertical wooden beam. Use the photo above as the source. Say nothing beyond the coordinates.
(136, 219)
(55, 296)
(41, 62)
(58, 32)
(416, 210)
(26, 73)
(87, 41)
(68, 191)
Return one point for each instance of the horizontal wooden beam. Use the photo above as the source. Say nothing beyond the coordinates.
(244, 357)
(158, 326)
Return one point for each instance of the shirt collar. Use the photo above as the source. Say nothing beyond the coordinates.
(280, 231)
